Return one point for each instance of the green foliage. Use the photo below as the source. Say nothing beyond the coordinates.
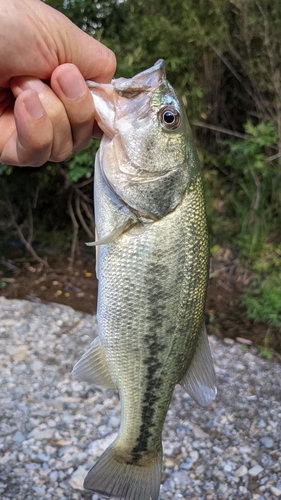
(263, 298)
(263, 302)
(87, 14)
(264, 351)
(81, 165)
(252, 195)
(5, 169)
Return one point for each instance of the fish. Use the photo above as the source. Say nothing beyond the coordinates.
(152, 261)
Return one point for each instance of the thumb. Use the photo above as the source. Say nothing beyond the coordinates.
(93, 59)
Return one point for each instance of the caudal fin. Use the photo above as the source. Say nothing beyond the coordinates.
(113, 478)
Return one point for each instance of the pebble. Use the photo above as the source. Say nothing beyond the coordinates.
(267, 442)
(77, 478)
(241, 471)
(19, 354)
(254, 471)
(40, 435)
(194, 455)
(200, 469)
(245, 449)
(18, 437)
(276, 492)
(53, 428)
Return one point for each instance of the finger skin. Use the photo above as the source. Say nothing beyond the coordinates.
(77, 108)
(48, 47)
(61, 144)
(30, 143)
(70, 87)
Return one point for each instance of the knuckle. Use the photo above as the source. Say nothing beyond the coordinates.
(81, 138)
(34, 157)
(34, 154)
(59, 156)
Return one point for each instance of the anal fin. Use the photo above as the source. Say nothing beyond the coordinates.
(200, 379)
(92, 367)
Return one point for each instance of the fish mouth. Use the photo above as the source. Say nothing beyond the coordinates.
(107, 95)
(146, 175)
(145, 81)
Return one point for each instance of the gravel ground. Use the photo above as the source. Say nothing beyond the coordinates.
(52, 428)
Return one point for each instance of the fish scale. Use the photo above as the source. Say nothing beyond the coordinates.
(152, 266)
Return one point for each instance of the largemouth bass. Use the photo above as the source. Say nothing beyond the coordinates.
(152, 267)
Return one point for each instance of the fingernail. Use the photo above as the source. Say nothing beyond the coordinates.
(30, 84)
(33, 105)
(71, 83)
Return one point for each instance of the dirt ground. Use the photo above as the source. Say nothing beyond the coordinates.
(21, 277)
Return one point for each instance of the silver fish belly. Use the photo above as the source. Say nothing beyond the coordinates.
(152, 266)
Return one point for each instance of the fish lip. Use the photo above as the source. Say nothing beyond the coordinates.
(131, 87)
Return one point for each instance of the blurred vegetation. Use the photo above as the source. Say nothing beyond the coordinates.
(223, 57)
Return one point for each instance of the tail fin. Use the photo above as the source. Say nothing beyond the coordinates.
(113, 478)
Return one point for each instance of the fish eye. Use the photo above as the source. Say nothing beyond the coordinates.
(169, 118)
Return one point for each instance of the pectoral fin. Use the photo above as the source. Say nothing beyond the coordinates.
(92, 367)
(200, 380)
(114, 234)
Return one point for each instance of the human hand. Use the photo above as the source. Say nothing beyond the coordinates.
(46, 108)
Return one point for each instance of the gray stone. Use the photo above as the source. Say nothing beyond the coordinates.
(245, 449)
(19, 354)
(241, 471)
(267, 442)
(254, 471)
(200, 469)
(42, 434)
(276, 491)
(43, 458)
(194, 455)
(77, 478)
(18, 437)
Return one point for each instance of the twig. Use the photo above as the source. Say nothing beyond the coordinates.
(231, 69)
(10, 266)
(85, 183)
(258, 190)
(69, 286)
(83, 195)
(36, 195)
(219, 129)
(226, 131)
(28, 246)
(274, 157)
(225, 286)
(26, 242)
(81, 218)
(89, 213)
(222, 269)
(30, 223)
